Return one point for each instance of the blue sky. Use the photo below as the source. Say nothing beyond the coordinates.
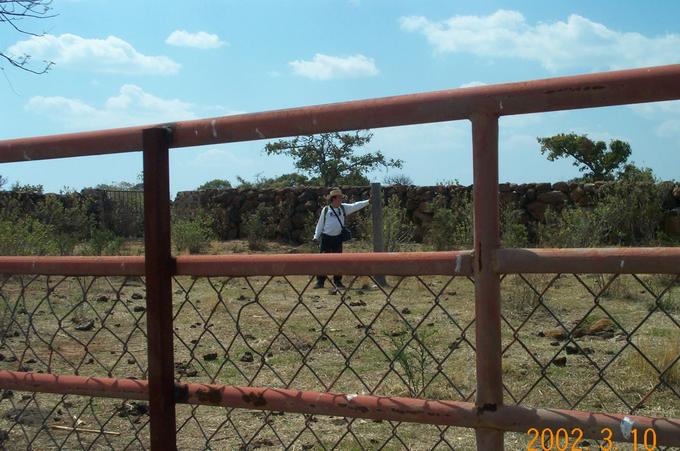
(131, 63)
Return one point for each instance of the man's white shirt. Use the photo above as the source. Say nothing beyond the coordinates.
(331, 226)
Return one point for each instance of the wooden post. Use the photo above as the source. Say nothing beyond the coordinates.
(377, 214)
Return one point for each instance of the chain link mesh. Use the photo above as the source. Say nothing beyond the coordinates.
(412, 338)
(91, 326)
(607, 343)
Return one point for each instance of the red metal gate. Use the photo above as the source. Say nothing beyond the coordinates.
(162, 382)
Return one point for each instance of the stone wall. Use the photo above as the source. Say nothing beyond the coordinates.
(294, 206)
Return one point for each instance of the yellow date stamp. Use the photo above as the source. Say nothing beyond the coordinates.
(572, 440)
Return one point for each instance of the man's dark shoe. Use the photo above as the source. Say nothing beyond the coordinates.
(339, 285)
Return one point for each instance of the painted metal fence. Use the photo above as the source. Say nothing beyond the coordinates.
(89, 340)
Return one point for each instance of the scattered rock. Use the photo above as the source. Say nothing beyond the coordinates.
(260, 443)
(560, 361)
(398, 333)
(30, 415)
(604, 324)
(241, 298)
(247, 357)
(6, 394)
(137, 295)
(4, 436)
(571, 350)
(248, 337)
(10, 359)
(133, 409)
(406, 311)
(102, 298)
(131, 361)
(139, 308)
(358, 303)
(31, 360)
(85, 326)
(210, 356)
(557, 333)
(555, 343)
(89, 361)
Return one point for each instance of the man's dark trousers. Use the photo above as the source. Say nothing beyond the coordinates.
(330, 245)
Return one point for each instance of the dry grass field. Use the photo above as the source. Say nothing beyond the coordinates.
(586, 342)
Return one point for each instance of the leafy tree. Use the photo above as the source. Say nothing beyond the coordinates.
(15, 13)
(19, 188)
(591, 157)
(3, 180)
(331, 158)
(398, 179)
(218, 184)
(283, 181)
(120, 186)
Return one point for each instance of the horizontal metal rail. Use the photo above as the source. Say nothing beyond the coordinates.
(659, 260)
(450, 413)
(640, 260)
(562, 93)
(360, 264)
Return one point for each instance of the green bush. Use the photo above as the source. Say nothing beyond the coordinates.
(27, 237)
(259, 226)
(628, 213)
(191, 235)
(103, 242)
(397, 227)
(68, 217)
(451, 225)
(513, 232)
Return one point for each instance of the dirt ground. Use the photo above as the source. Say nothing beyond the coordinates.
(584, 342)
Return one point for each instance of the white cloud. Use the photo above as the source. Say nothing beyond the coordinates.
(198, 40)
(326, 67)
(219, 157)
(576, 42)
(665, 114)
(132, 106)
(472, 84)
(112, 54)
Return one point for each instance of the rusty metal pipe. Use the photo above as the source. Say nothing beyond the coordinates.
(643, 260)
(487, 281)
(561, 93)
(397, 264)
(159, 269)
(454, 413)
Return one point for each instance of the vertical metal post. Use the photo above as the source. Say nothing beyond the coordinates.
(159, 270)
(377, 216)
(487, 282)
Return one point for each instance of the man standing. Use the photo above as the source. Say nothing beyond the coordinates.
(329, 229)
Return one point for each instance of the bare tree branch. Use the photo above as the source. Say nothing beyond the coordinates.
(14, 11)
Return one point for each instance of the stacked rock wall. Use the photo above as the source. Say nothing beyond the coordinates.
(294, 206)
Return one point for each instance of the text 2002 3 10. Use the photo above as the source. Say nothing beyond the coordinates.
(563, 440)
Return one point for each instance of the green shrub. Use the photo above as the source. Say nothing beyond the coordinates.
(397, 227)
(573, 227)
(259, 226)
(27, 237)
(628, 213)
(191, 235)
(513, 232)
(103, 242)
(68, 217)
(452, 225)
